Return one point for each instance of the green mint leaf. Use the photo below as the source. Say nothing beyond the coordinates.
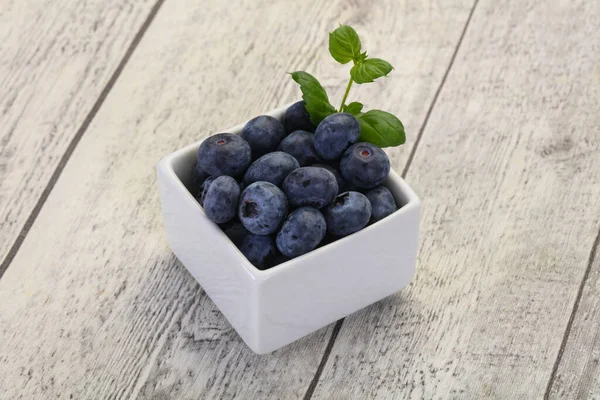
(344, 44)
(381, 128)
(369, 70)
(353, 108)
(315, 97)
(362, 57)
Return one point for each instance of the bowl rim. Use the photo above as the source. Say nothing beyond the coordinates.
(393, 181)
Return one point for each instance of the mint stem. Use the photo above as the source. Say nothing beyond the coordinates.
(346, 95)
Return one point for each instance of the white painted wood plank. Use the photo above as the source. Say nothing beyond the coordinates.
(55, 59)
(94, 304)
(509, 174)
(578, 374)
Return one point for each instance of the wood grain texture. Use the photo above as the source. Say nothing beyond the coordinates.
(578, 373)
(94, 305)
(509, 174)
(55, 59)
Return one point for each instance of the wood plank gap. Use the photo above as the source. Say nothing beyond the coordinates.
(437, 93)
(567, 333)
(75, 141)
(338, 324)
(326, 353)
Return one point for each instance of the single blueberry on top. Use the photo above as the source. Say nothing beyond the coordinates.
(335, 134)
(382, 203)
(349, 212)
(365, 165)
(310, 186)
(221, 198)
(262, 208)
(260, 250)
(224, 154)
(342, 184)
(301, 232)
(301, 145)
(296, 118)
(204, 188)
(263, 134)
(272, 167)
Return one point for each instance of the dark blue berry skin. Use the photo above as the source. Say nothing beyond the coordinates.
(335, 134)
(301, 145)
(263, 134)
(365, 165)
(310, 186)
(301, 232)
(382, 203)
(348, 213)
(204, 189)
(342, 184)
(262, 208)
(272, 167)
(224, 154)
(260, 250)
(221, 199)
(296, 118)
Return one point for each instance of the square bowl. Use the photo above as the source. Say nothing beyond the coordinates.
(272, 308)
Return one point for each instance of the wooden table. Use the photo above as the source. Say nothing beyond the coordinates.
(501, 102)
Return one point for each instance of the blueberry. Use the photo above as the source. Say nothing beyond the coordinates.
(272, 167)
(335, 134)
(301, 232)
(382, 203)
(296, 118)
(263, 134)
(342, 184)
(220, 201)
(224, 154)
(365, 165)
(204, 188)
(262, 208)
(349, 212)
(260, 250)
(310, 186)
(301, 145)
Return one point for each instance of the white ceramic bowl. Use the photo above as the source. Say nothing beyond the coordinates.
(272, 308)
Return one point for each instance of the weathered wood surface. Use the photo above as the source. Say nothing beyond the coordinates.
(509, 173)
(578, 373)
(94, 305)
(56, 57)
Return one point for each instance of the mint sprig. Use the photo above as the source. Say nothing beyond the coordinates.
(344, 44)
(381, 128)
(315, 97)
(369, 70)
(353, 108)
(378, 127)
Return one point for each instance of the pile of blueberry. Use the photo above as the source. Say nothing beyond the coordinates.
(278, 190)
